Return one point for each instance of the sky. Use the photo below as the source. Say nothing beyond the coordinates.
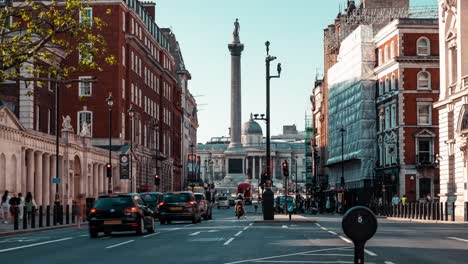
(294, 28)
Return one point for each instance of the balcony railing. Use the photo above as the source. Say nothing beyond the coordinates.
(425, 160)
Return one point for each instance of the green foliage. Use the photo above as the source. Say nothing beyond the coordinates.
(37, 38)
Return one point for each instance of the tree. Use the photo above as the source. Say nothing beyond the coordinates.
(37, 37)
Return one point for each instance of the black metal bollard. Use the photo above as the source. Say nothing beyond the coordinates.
(73, 214)
(416, 210)
(15, 216)
(441, 212)
(54, 217)
(466, 211)
(424, 211)
(437, 211)
(411, 208)
(446, 211)
(25, 219)
(61, 214)
(406, 211)
(33, 217)
(41, 220)
(453, 212)
(430, 216)
(67, 212)
(48, 215)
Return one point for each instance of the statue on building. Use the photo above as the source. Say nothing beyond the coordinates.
(448, 7)
(66, 124)
(235, 34)
(85, 130)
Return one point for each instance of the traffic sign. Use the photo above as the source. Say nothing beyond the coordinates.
(56, 180)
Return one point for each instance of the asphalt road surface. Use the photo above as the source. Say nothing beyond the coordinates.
(228, 240)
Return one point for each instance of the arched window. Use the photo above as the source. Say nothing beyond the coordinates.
(392, 50)
(381, 88)
(393, 83)
(85, 116)
(386, 53)
(424, 80)
(387, 85)
(423, 47)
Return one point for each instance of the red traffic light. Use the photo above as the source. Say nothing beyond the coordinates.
(285, 164)
(109, 169)
(157, 181)
(109, 165)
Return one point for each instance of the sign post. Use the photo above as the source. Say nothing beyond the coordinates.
(124, 167)
(360, 225)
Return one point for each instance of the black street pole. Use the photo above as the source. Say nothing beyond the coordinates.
(296, 175)
(57, 142)
(342, 182)
(193, 170)
(130, 113)
(268, 151)
(110, 103)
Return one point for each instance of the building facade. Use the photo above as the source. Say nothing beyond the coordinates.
(407, 72)
(452, 104)
(144, 79)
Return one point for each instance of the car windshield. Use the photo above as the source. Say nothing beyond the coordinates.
(176, 197)
(222, 198)
(198, 197)
(118, 202)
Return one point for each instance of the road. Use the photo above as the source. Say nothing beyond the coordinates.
(228, 240)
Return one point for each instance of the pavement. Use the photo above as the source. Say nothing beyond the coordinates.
(225, 239)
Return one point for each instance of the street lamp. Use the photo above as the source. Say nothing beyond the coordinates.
(193, 164)
(342, 181)
(131, 113)
(110, 103)
(295, 161)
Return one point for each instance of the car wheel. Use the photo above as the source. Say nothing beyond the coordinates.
(107, 233)
(93, 234)
(141, 227)
(150, 229)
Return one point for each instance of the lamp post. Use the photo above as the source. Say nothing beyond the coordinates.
(295, 161)
(342, 181)
(193, 164)
(110, 103)
(131, 113)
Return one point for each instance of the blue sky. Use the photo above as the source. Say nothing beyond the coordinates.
(295, 30)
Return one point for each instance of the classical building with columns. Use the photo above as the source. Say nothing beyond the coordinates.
(28, 162)
(290, 146)
(453, 103)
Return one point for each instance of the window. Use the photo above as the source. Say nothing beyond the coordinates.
(38, 117)
(387, 85)
(122, 135)
(381, 88)
(86, 16)
(123, 56)
(392, 50)
(48, 121)
(85, 116)
(123, 88)
(49, 82)
(424, 114)
(424, 80)
(123, 21)
(85, 86)
(133, 26)
(424, 150)
(132, 93)
(423, 47)
(394, 116)
(392, 82)
(386, 53)
(380, 57)
(387, 118)
(85, 54)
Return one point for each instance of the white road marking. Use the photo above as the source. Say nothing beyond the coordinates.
(238, 233)
(152, 234)
(332, 254)
(251, 224)
(370, 253)
(229, 241)
(302, 261)
(287, 255)
(323, 228)
(213, 231)
(123, 243)
(194, 234)
(36, 244)
(106, 237)
(345, 239)
(388, 262)
(284, 226)
(83, 236)
(331, 232)
(459, 239)
(317, 224)
(245, 228)
(188, 225)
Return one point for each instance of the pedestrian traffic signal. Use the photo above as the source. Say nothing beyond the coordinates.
(285, 169)
(109, 170)
(157, 181)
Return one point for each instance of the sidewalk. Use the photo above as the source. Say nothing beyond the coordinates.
(8, 229)
(397, 219)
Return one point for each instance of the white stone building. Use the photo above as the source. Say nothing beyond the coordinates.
(453, 102)
(27, 164)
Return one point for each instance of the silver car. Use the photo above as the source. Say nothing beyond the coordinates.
(223, 201)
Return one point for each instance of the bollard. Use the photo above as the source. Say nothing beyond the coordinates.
(33, 217)
(446, 211)
(441, 211)
(48, 215)
(406, 211)
(67, 214)
(73, 214)
(15, 218)
(425, 211)
(430, 216)
(437, 211)
(399, 210)
(25, 219)
(416, 210)
(466, 211)
(61, 214)
(54, 217)
(40, 217)
(411, 208)
(453, 212)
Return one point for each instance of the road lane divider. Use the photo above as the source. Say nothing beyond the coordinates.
(388, 262)
(152, 234)
(331, 232)
(370, 253)
(120, 244)
(229, 241)
(345, 239)
(458, 239)
(323, 228)
(238, 233)
(35, 244)
(194, 234)
(317, 224)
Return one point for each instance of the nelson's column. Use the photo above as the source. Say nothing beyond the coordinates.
(235, 153)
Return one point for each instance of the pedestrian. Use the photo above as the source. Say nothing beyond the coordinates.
(5, 205)
(256, 208)
(21, 206)
(328, 205)
(403, 200)
(80, 210)
(29, 203)
(14, 203)
(395, 200)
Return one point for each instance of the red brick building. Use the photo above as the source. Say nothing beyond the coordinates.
(143, 79)
(407, 71)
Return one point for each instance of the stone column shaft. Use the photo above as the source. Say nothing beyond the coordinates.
(37, 194)
(30, 171)
(53, 163)
(236, 101)
(46, 179)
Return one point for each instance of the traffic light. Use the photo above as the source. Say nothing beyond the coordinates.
(109, 170)
(285, 169)
(157, 181)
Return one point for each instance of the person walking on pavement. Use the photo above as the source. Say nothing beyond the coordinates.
(403, 200)
(395, 200)
(14, 203)
(29, 203)
(79, 210)
(21, 206)
(5, 205)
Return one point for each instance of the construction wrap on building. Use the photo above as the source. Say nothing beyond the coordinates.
(352, 107)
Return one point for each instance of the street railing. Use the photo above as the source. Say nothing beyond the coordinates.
(422, 210)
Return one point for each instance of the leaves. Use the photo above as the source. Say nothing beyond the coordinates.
(41, 37)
